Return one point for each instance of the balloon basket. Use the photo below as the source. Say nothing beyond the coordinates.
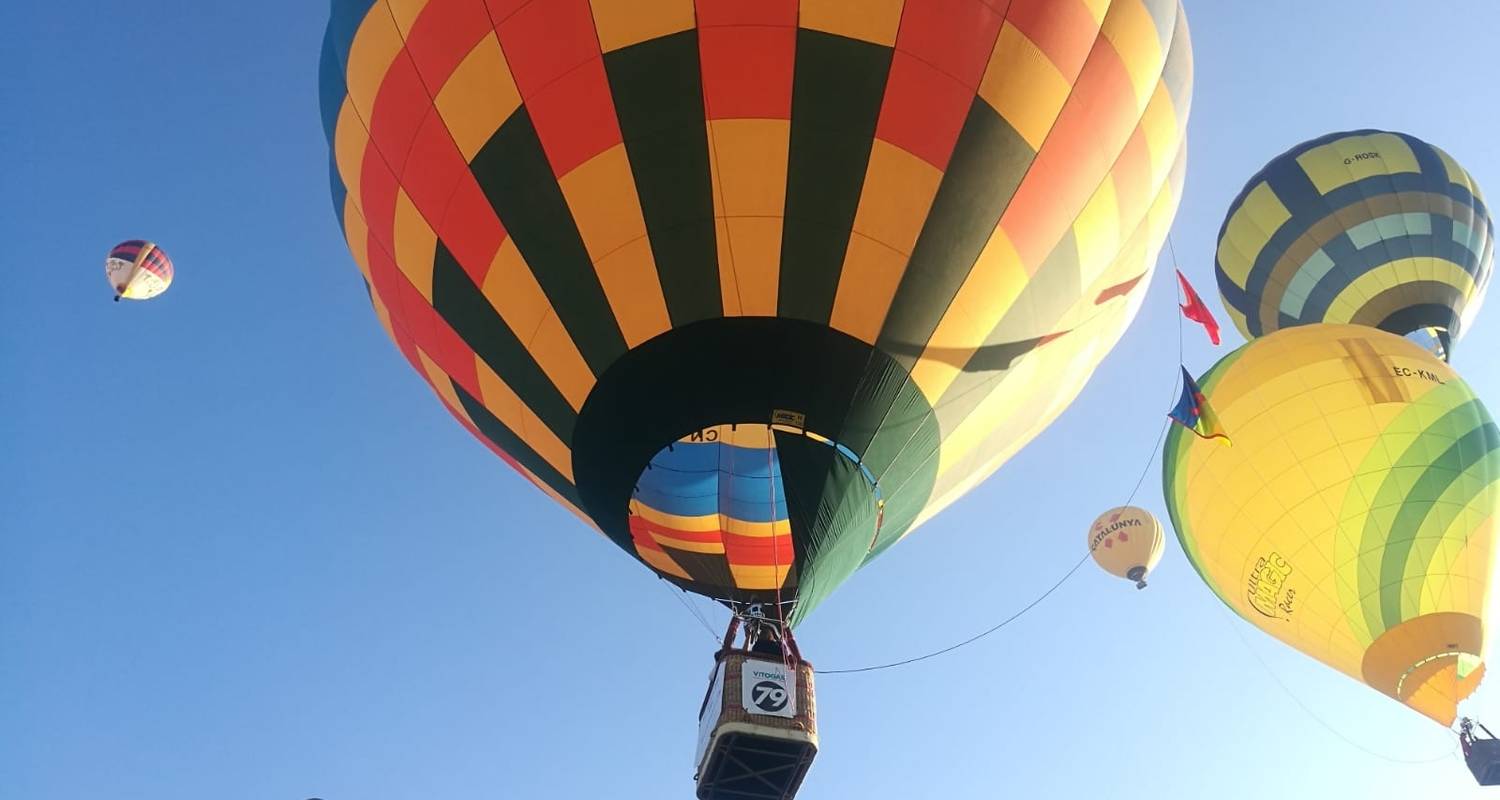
(1481, 754)
(757, 734)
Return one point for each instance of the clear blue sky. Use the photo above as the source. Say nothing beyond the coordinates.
(247, 556)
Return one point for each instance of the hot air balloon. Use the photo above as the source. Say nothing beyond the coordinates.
(1127, 542)
(755, 288)
(894, 240)
(138, 270)
(1353, 517)
(1364, 227)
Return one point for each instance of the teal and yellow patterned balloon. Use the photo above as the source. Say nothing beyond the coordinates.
(1365, 227)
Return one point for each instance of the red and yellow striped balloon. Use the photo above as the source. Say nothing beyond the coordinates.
(895, 238)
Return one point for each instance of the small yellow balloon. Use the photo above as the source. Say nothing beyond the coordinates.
(1127, 542)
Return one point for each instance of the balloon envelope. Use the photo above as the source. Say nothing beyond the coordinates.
(872, 250)
(1369, 227)
(1127, 542)
(1353, 517)
(138, 270)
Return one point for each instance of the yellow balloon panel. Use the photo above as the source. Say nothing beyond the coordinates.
(1353, 517)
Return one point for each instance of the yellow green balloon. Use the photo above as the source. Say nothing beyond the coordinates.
(1353, 517)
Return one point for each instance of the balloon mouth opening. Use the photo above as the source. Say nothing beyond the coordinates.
(1429, 662)
(797, 377)
(1137, 574)
(724, 484)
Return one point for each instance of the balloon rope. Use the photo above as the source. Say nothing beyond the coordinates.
(1151, 458)
(971, 639)
(1315, 718)
(775, 545)
(1166, 423)
(691, 609)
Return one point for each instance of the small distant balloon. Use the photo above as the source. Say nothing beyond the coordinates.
(1127, 542)
(138, 270)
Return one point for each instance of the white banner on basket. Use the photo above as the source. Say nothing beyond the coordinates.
(768, 688)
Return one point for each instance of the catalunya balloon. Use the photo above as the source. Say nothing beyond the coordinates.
(1365, 227)
(1353, 518)
(138, 270)
(1127, 542)
(755, 288)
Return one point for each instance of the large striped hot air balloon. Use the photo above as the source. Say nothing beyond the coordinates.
(1353, 518)
(1367, 227)
(755, 287)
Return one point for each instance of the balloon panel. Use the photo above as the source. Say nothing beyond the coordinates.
(1353, 516)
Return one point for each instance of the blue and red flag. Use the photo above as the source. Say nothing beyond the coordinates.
(1195, 310)
(1192, 412)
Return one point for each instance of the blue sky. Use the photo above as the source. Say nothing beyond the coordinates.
(246, 555)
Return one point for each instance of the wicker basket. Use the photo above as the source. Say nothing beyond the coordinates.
(757, 753)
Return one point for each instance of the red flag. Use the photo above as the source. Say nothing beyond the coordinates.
(1196, 311)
